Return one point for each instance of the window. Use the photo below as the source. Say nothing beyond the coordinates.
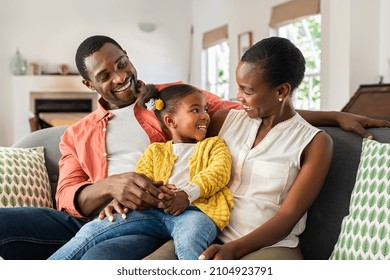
(215, 62)
(217, 70)
(305, 34)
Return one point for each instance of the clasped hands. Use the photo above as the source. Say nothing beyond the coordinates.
(141, 194)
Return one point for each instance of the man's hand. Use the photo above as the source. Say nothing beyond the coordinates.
(358, 123)
(134, 191)
(167, 193)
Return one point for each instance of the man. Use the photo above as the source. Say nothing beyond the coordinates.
(98, 154)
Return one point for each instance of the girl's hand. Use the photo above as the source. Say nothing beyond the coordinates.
(178, 204)
(113, 207)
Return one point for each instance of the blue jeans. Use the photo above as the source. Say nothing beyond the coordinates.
(36, 233)
(192, 232)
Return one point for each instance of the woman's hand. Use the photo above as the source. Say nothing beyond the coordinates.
(219, 252)
(358, 123)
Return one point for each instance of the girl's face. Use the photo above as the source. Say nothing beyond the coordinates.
(255, 94)
(189, 122)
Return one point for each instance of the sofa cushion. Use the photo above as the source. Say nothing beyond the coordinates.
(365, 230)
(23, 178)
(332, 205)
(50, 139)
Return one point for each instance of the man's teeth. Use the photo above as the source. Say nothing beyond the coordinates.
(202, 127)
(126, 86)
(248, 108)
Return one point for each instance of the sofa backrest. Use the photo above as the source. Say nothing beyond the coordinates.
(50, 139)
(325, 216)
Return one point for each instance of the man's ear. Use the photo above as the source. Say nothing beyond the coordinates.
(88, 85)
(139, 84)
(169, 121)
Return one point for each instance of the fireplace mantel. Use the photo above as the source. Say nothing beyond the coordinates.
(53, 85)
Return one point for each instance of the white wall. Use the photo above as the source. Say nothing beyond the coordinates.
(49, 32)
(241, 16)
(355, 39)
(335, 54)
(384, 62)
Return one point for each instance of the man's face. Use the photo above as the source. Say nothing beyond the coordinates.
(113, 76)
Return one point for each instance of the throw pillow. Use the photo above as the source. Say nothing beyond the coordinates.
(365, 231)
(24, 180)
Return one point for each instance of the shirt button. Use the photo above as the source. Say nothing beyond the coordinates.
(104, 154)
(104, 129)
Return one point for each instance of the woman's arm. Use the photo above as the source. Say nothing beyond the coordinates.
(347, 121)
(316, 161)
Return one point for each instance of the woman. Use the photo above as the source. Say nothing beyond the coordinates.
(280, 161)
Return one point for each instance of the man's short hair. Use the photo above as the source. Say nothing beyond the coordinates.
(87, 48)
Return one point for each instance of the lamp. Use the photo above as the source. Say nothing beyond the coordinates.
(147, 26)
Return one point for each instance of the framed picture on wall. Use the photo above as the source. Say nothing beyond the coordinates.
(244, 43)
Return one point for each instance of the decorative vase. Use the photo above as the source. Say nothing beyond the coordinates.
(18, 64)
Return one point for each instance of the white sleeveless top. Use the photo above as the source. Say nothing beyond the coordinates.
(263, 176)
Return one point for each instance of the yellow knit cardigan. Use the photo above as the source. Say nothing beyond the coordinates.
(210, 168)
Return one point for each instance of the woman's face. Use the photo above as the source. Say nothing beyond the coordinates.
(259, 99)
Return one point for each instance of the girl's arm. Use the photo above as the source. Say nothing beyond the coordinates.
(316, 161)
(216, 175)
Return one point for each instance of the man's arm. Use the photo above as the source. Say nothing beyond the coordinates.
(346, 121)
(82, 196)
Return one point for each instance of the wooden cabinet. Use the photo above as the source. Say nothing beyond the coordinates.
(371, 101)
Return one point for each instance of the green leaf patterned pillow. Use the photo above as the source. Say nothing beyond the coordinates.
(24, 180)
(365, 232)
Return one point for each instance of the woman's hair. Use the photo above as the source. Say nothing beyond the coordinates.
(279, 61)
(170, 97)
(88, 47)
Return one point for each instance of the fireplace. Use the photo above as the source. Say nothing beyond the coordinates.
(60, 108)
(57, 88)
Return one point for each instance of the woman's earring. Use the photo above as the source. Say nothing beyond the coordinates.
(280, 99)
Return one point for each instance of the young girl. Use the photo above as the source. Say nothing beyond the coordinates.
(195, 171)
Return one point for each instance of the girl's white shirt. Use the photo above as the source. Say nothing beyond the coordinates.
(180, 175)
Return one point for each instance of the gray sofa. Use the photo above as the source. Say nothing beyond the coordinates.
(324, 217)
